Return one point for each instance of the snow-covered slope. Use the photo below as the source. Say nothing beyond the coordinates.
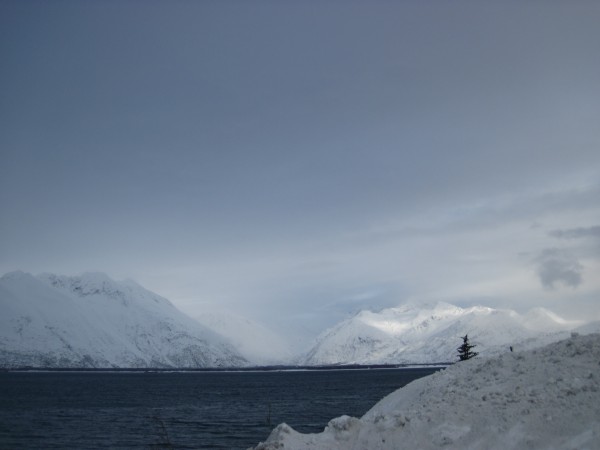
(411, 334)
(257, 343)
(93, 321)
(547, 398)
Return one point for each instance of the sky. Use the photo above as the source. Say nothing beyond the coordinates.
(297, 161)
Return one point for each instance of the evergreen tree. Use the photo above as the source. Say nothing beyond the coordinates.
(464, 351)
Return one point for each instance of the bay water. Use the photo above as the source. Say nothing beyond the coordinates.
(183, 410)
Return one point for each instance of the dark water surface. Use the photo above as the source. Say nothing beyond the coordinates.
(182, 409)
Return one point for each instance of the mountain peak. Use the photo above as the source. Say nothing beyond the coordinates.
(429, 334)
(92, 321)
(19, 279)
(15, 274)
(86, 284)
(96, 277)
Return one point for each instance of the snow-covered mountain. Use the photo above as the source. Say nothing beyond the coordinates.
(257, 343)
(410, 334)
(93, 321)
(548, 398)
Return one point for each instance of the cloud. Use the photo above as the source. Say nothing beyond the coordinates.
(558, 266)
(577, 233)
(585, 239)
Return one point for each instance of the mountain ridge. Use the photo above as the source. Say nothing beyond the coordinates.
(93, 321)
(411, 334)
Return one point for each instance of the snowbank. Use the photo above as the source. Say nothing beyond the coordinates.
(547, 398)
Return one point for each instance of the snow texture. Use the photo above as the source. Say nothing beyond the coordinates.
(91, 321)
(411, 334)
(547, 398)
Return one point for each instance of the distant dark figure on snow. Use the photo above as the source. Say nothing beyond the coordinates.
(464, 351)
(511, 349)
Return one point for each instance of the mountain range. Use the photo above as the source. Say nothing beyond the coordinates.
(422, 335)
(92, 321)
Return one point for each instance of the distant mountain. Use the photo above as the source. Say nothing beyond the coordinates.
(410, 334)
(257, 343)
(94, 321)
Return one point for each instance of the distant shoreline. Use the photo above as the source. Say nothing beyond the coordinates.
(282, 368)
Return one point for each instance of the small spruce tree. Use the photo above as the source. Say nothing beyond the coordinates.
(464, 351)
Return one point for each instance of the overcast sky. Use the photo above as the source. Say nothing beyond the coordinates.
(297, 161)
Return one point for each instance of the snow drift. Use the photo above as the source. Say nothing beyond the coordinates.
(548, 398)
(93, 321)
(411, 334)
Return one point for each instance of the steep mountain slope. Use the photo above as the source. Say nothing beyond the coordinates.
(257, 343)
(93, 321)
(426, 335)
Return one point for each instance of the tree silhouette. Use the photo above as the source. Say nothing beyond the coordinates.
(464, 351)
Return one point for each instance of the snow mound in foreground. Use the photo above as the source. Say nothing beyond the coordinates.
(548, 398)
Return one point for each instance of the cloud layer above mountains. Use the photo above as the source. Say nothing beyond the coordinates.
(297, 162)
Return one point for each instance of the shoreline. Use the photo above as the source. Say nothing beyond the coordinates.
(278, 368)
